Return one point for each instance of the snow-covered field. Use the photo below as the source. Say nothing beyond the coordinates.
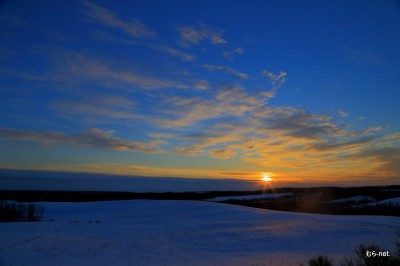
(147, 232)
(394, 201)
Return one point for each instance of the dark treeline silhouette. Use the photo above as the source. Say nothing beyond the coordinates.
(322, 193)
(315, 206)
(319, 200)
(312, 200)
(85, 196)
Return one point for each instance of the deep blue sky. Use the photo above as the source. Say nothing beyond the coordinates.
(306, 91)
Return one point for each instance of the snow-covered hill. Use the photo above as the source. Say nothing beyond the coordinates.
(354, 199)
(392, 201)
(147, 232)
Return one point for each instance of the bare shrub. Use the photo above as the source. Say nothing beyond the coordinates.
(370, 255)
(10, 211)
(320, 261)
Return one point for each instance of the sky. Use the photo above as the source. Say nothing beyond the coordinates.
(300, 92)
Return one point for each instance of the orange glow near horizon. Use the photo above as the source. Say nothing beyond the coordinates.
(266, 177)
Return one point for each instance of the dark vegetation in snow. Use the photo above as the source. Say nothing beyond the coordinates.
(376, 257)
(12, 211)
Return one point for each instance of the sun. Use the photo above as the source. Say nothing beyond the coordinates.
(266, 177)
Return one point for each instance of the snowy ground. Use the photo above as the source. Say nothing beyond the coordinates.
(355, 198)
(394, 201)
(146, 232)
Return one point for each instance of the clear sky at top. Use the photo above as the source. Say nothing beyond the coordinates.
(306, 91)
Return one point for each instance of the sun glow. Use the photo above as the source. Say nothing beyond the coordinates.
(266, 177)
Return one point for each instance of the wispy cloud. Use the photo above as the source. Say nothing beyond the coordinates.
(194, 35)
(231, 53)
(154, 171)
(228, 70)
(24, 75)
(342, 145)
(295, 122)
(386, 159)
(99, 107)
(91, 138)
(286, 140)
(108, 18)
(227, 100)
(105, 36)
(81, 66)
(174, 52)
(363, 56)
(311, 142)
(276, 79)
(219, 141)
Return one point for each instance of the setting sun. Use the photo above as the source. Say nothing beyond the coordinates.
(266, 177)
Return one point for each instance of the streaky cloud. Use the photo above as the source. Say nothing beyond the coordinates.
(296, 122)
(326, 146)
(81, 66)
(231, 53)
(228, 70)
(108, 18)
(194, 35)
(90, 138)
(99, 107)
(105, 36)
(276, 79)
(174, 52)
